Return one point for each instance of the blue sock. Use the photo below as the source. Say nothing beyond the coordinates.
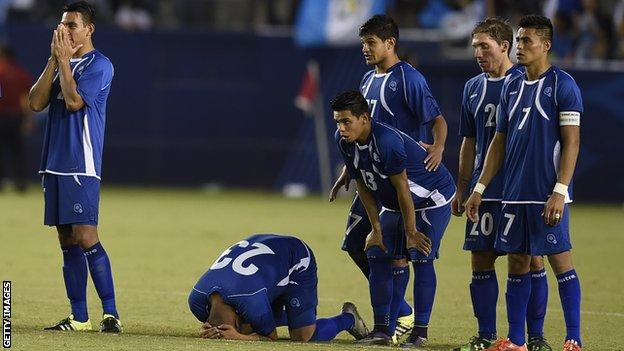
(380, 285)
(536, 309)
(570, 295)
(405, 309)
(75, 276)
(425, 283)
(328, 328)
(400, 278)
(484, 294)
(102, 275)
(518, 293)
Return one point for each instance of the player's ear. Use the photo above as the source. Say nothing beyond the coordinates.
(505, 46)
(547, 45)
(90, 29)
(390, 43)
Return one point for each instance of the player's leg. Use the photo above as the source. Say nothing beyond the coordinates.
(358, 227)
(433, 223)
(536, 309)
(81, 208)
(555, 243)
(74, 263)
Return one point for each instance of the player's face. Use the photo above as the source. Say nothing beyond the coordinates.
(374, 49)
(531, 47)
(79, 33)
(351, 128)
(488, 52)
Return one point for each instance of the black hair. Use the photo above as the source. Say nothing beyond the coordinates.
(351, 100)
(496, 28)
(541, 24)
(382, 26)
(84, 8)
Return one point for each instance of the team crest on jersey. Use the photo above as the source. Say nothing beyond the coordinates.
(376, 157)
(294, 302)
(548, 91)
(77, 208)
(551, 238)
(393, 85)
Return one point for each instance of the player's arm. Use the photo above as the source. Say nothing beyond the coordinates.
(343, 180)
(64, 52)
(493, 163)
(375, 237)
(570, 145)
(467, 154)
(39, 95)
(415, 239)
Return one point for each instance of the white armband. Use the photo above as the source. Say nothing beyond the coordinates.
(569, 118)
(479, 188)
(561, 189)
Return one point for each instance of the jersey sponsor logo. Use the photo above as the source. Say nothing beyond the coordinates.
(77, 208)
(393, 85)
(548, 91)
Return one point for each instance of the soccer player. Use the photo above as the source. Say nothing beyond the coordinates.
(75, 85)
(263, 282)
(491, 40)
(399, 96)
(390, 170)
(537, 144)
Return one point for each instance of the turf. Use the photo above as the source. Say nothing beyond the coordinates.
(161, 240)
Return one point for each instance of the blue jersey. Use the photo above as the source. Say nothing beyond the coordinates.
(255, 272)
(73, 141)
(387, 152)
(531, 114)
(478, 120)
(400, 98)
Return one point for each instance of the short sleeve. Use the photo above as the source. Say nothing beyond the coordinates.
(393, 155)
(466, 119)
(419, 98)
(95, 78)
(569, 102)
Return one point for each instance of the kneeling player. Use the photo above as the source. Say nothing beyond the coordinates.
(263, 282)
(390, 170)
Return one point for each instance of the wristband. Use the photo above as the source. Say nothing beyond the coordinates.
(561, 189)
(479, 188)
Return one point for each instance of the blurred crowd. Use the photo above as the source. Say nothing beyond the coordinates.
(584, 29)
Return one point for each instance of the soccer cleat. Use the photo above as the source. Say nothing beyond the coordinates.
(538, 344)
(70, 324)
(571, 345)
(359, 329)
(506, 345)
(404, 325)
(110, 324)
(413, 342)
(375, 338)
(476, 343)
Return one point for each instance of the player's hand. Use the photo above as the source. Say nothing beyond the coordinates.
(472, 206)
(434, 159)
(63, 46)
(207, 331)
(457, 206)
(419, 241)
(375, 239)
(553, 209)
(229, 332)
(343, 180)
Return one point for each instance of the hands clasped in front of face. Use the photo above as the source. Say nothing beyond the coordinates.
(61, 46)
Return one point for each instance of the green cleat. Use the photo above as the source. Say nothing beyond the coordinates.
(404, 326)
(110, 324)
(70, 324)
(476, 343)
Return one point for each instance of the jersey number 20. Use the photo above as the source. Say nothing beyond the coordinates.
(237, 263)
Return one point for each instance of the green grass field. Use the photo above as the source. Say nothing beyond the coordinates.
(161, 241)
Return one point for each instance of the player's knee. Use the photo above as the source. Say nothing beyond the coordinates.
(537, 263)
(483, 260)
(86, 235)
(518, 263)
(561, 262)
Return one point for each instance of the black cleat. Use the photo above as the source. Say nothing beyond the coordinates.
(359, 329)
(110, 324)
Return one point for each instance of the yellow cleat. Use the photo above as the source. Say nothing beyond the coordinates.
(404, 326)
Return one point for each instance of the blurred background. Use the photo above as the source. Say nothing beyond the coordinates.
(234, 93)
